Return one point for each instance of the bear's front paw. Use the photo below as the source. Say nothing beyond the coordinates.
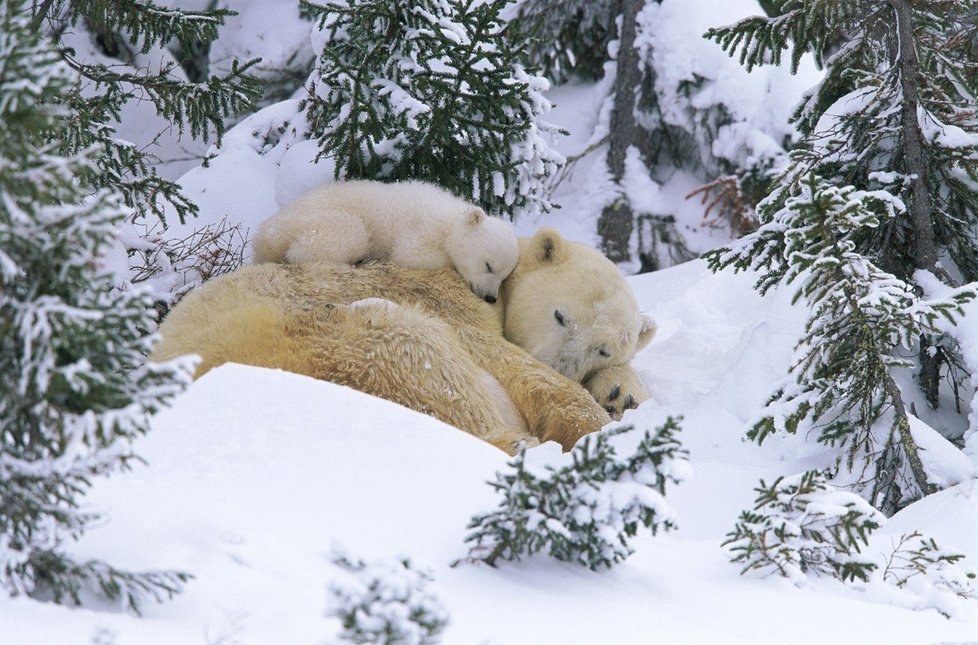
(571, 417)
(617, 389)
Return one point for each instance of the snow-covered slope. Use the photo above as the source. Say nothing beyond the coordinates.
(255, 475)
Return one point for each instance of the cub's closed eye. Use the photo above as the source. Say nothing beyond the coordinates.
(604, 353)
(488, 268)
(560, 318)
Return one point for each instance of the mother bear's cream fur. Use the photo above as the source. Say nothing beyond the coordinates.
(424, 340)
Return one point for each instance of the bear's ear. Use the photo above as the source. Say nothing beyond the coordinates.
(646, 331)
(548, 247)
(475, 216)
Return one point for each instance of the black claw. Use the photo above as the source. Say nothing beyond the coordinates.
(630, 401)
(615, 393)
(610, 410)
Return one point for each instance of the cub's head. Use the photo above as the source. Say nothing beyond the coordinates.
(483, 250)
(570, 307)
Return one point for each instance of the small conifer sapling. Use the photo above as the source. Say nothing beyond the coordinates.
(584, 512)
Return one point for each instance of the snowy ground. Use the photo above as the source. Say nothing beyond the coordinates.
(255, 475)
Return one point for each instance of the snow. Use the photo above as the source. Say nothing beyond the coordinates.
(254, 478)
(760, 103)
(764, 97)
(966, 332)
(944, 134)
(249, 198)
(270, 29)
(945, 465)
(138, 121)
(254, 475)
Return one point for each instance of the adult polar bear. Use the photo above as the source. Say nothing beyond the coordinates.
(422, 339)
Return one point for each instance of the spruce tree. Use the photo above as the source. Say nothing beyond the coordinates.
(862, 320)
(75, 389)
(943, 577)
(894, 112)
(894, 117)
(124, 29)
(431, 90)
(801, 526)
(566, 38)
(386, 601)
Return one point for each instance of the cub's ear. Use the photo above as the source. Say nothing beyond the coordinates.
(546, 247)
(475, 216)
(646, 331)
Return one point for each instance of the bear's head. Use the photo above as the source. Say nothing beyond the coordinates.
(483, 250)
(570, 307)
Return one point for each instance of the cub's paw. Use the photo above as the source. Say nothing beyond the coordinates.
(617, 389)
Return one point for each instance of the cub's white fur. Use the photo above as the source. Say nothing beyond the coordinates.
(411, 223)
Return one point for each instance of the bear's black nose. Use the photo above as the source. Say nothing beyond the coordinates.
(490, 299)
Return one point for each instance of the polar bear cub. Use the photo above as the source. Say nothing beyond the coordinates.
(412, 224)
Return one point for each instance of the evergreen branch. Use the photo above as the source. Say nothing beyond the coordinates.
(315, 11)
(388, 602)
(477, 35)
(75, 387)
(801, 525)
(122, 167)
(871, 412)
(65, 579)
(564, 38)
(762, 40)
(143, 20)
(198, 105)
(917, 561)
(807, 29)
(586, 511)
(40, 14)
(438, 94)
(859, 314)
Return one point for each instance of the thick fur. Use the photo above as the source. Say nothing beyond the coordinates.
(570, 307)
(411, 224)
(439, 351)
(420, 338)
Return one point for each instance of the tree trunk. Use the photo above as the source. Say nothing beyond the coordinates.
(913, 144)
(913, 147)
(886, 494)
(617, 221)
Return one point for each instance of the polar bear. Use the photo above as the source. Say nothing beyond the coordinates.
(422, 339)
(570, 307)
(412, 224)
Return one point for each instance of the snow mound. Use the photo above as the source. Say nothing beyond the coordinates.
(255, 475)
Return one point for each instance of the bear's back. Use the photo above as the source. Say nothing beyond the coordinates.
(397, 206)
